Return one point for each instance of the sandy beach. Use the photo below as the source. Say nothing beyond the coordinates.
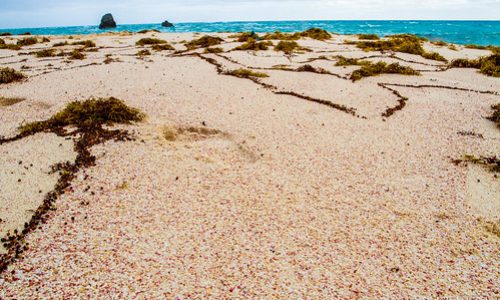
(254, 174)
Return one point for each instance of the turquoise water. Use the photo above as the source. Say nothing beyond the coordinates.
(460, 32)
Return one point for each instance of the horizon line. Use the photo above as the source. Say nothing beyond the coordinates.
(260, 21)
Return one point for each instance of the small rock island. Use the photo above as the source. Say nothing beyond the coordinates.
(107, 21)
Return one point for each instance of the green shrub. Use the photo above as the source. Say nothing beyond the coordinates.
(370, 69)
(8, 75)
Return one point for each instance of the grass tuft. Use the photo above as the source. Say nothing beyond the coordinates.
(8, 101)
(373, 69)
(76, 55)
(277, 35)
(204, 42)
(245, 36)
(86, 44)
(254, 45)
(45, 53)
(316, 33)
(91, 112)
(245, 73)
(289, 47)
(162, 47)
(368, 37)
(214, 50)
(495, 117)
(488, 65)
(27, 41)
(434, 56)
(143, 53)
(60, 44)
(8, 75)
(150, 41)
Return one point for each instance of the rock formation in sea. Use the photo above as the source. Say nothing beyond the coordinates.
(107, 21)
(167, 24)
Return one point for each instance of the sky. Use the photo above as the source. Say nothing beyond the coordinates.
(45, 13)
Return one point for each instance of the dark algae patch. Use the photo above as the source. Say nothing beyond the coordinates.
(492, 163)
(88, 118)
(368, 37)
(8, 75)
(289, 47)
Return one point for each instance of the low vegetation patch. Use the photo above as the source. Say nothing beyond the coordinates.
(245, 73)
(404, 43)
(488, 65)
(45, 53)
(313, 33)
(86, 44)
(316, 33)
(150, 41)
(214, 50)
(4, 45)
(434, 56)
(368, 37)
(60, 44)
(162, 47)
(148, 30)
(289, 47)
(27, 41)
(346, 61)
(439, 43)
(204, 42)
(253, 45)
(8, 75)
(143, 53)
(245, 36)
(102, 111)
(495, 117)
(76, 55)
(277, 35)
(8, 101)
(374, 69)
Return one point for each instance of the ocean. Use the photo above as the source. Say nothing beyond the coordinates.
(459, 32)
